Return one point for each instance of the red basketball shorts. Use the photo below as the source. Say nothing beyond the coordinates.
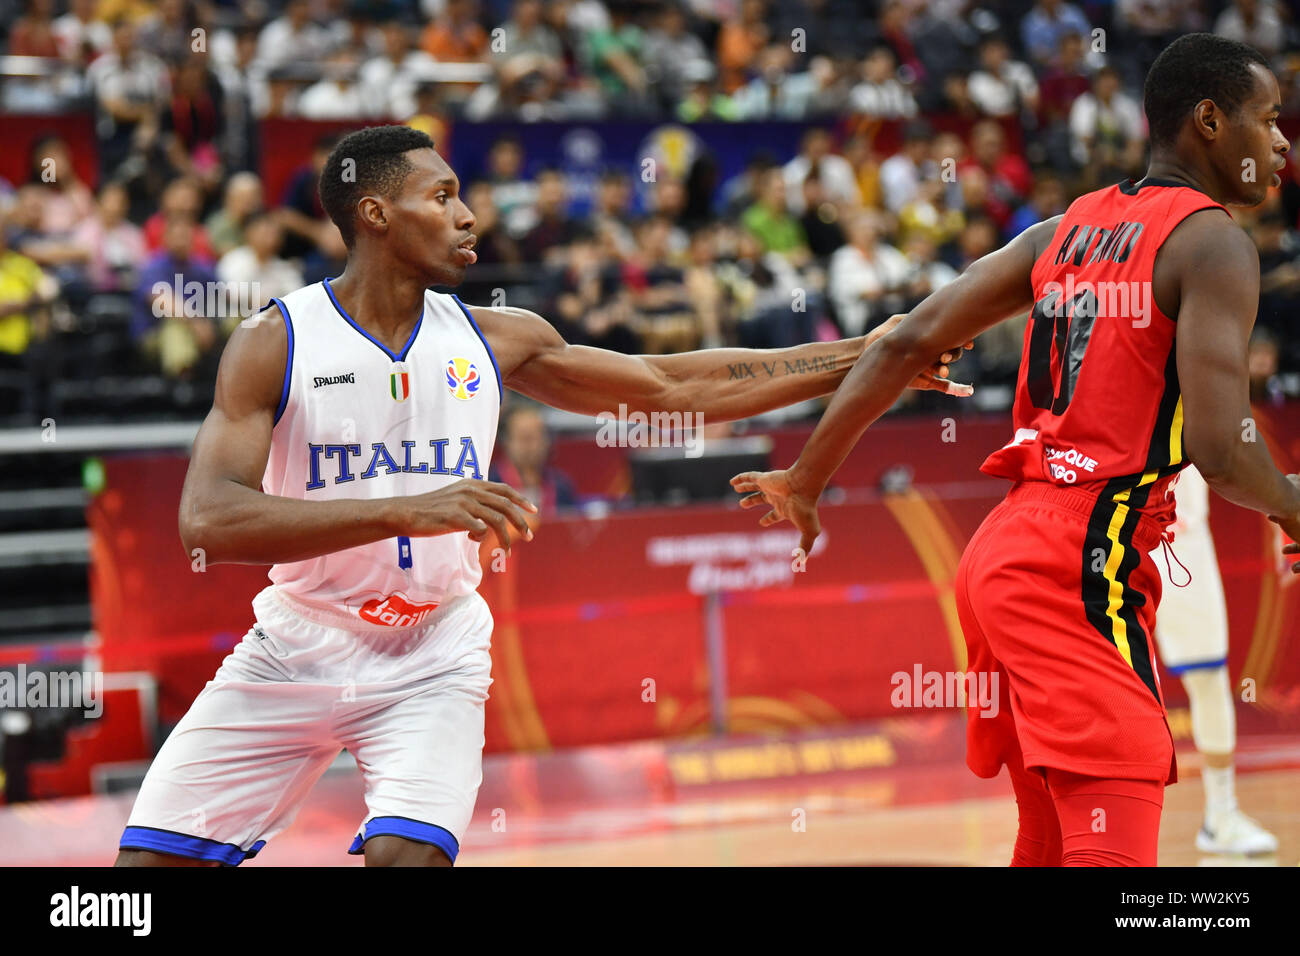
(1057, 596)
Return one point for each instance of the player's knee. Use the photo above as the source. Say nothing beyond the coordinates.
(396, 851)
(149, 858)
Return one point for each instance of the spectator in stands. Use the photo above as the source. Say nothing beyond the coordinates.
(329, 257)
(169, 33)
(257, 265)
(1258, 23)
(25, 294)
(242, 198)
(901, 174)
(182, 199)
(1002, 86)
(292, 37)
(1107, 131)
(880, 94)
(67, 199)
(170, 324)
(739, 42)
(770, 222)
(929, 215)
(1009, 178)
(528, 45)
(704, 288)
(114, 246)
(1042, 27)
(300, 211)
(553, 229)
(194, 123)
(454, 35)
(821, 217)
(861, 154)
(33, 34)
(336, 95)
(945, 45)
(1048, 200)
(1148, 26)
(666, 318)
(388, 81)
(1062, 83)
(867, 276)
(704, 101)
(514, 195)
(837, 179)
(1263, 361)
(614, 56)
(955, 97)
(494, 245)
(674, 56)
(131, 89)
(523, 464)
(80, 36)
(772, 316)
(926, 273)
(612, 218)
(246, 96)
(774, 93)
(55, 251)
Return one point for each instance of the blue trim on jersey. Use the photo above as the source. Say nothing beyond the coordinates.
(1196, 666)
(482, 338)
(408, 829)
(183, 844)
(352, 322)
(288, 362)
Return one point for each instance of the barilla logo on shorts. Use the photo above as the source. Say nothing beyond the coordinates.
(394, 611)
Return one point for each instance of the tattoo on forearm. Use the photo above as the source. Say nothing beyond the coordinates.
(818, 363)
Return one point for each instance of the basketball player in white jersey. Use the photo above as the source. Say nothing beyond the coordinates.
(351, 430)
(1192, 633)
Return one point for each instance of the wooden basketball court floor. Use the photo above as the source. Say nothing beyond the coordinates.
(632, 805)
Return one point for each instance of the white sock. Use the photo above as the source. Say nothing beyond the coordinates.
(1220, 791)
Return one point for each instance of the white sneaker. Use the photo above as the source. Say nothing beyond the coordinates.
(1234, 832)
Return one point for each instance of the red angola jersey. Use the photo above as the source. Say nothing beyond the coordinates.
(1098, 405)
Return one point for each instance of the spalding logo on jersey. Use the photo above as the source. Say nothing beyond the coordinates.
(394, 611)
(463, 379)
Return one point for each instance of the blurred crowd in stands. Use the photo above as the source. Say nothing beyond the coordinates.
(828, 243)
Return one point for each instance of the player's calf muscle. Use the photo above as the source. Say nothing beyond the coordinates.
(396, 851)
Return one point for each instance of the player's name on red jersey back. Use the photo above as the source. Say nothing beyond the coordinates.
(1098, 404)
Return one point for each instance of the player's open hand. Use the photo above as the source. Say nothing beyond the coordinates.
(469, 505)
(935, 378)
(788, 503)
(1291, 528)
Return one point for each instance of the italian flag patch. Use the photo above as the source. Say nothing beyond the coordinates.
(399, 383)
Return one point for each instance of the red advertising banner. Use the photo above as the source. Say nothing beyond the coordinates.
(671, 622)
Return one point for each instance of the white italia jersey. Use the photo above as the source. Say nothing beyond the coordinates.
(359, 421)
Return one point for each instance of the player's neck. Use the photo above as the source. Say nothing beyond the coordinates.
(385, 305)
(1171, 169)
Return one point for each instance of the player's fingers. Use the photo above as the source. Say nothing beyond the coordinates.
(505, 491)
(745, 481)
(807, 540)
(957, 388)
(769, 519)
(477, 529)
(514, 514)
(752, 501)
(1291, 548)
(497, 521)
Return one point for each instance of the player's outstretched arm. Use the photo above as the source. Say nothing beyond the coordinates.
(224, 512)
(990, 290)
(720, 384)
(1215, 319)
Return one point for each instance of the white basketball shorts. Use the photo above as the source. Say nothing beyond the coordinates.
(408, 705)
(1191, 621)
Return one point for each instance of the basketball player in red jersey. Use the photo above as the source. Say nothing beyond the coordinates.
(1057, 591)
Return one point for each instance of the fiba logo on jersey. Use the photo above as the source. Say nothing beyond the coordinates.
(462, 379)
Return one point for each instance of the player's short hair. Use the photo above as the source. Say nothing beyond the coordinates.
(1195, 67)
(379, 167)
